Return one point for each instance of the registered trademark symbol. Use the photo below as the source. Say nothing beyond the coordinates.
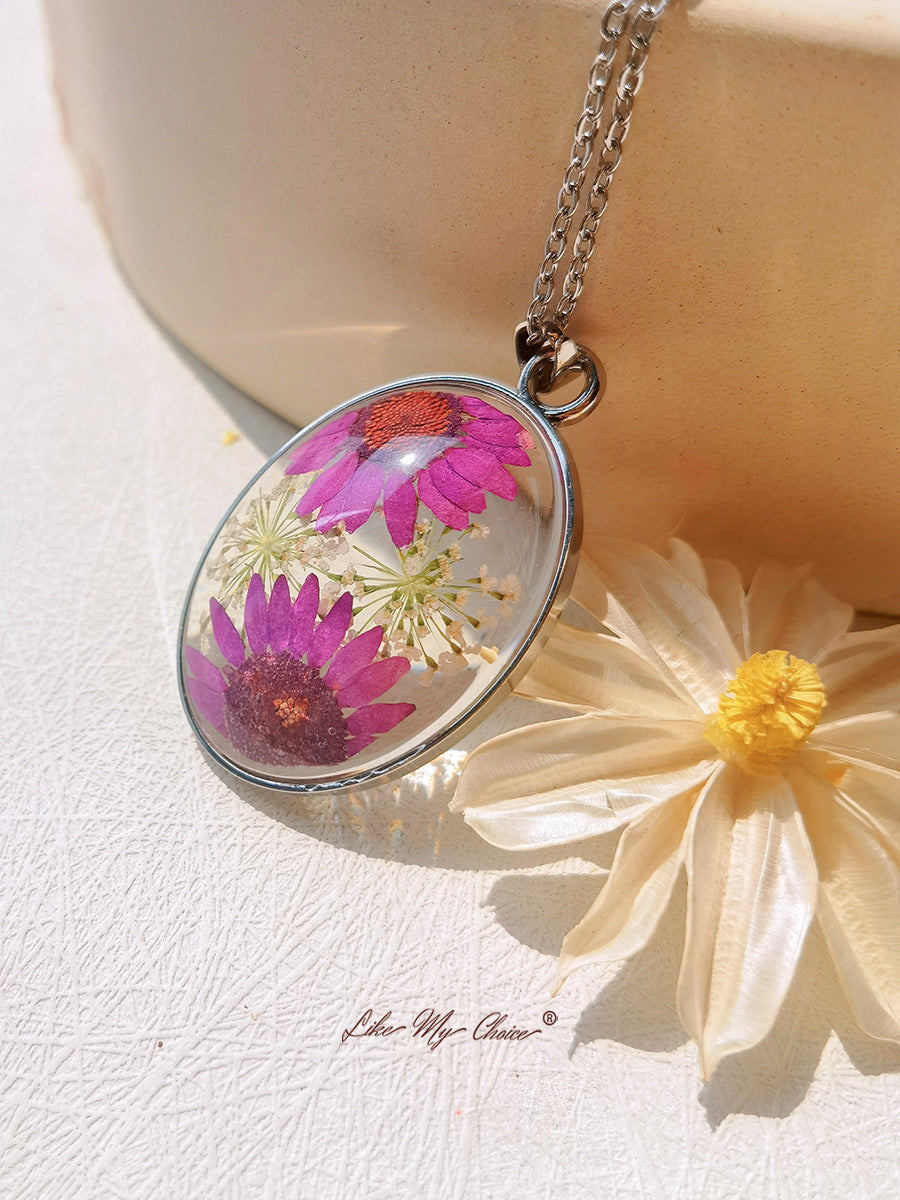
(549, 1017)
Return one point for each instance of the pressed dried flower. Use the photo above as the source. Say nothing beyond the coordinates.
(288, 691)
(420, 604)
(270, 540)
(442, 450)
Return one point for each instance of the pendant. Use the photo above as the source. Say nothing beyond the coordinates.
(384, 580)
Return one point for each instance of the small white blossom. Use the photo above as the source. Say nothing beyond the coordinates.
(510, 588)
(451, 663)
(329, 592)
(485, 619)
(488, 583)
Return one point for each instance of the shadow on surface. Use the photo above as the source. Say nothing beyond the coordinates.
(407, 821)
(637, 1007)
(539, 910)
(265, 429)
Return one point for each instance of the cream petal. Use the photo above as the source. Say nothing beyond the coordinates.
(751, 895)
(668, 619)
(688, 562)
(790, 610)
(726, 590)
(548, 784)
(877, 792)
(595, 672)
(588, 589)
(858, 903)
(870, 738)
(861, 673)
(722, 583)
(624, 916)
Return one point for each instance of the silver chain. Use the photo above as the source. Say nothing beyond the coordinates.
(632, 22)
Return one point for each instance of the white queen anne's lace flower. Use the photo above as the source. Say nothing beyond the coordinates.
(420, 603)
(747, 737)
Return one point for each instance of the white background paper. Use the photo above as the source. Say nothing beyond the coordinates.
(179, 952)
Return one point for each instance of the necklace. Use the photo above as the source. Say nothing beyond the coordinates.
(391, 573)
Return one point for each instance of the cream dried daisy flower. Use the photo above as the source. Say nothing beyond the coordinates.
(749, 738)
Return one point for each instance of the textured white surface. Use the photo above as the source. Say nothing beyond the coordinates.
(179, 953)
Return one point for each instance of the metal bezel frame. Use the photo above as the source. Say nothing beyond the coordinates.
(565, 492)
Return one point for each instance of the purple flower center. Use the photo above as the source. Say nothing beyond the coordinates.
(280, 710)
(408, 415)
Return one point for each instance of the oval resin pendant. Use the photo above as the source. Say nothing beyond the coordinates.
(380, 584)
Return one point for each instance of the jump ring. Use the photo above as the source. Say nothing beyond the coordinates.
(539, 375)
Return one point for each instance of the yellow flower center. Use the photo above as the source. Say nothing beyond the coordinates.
(770, 707)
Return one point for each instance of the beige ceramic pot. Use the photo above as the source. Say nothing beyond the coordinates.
(317, 196)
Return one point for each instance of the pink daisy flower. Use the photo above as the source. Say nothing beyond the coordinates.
(435, 447)
(294, 695)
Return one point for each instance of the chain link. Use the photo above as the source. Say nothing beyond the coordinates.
(631, 23)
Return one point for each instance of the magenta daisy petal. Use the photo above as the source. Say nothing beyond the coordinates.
(482, 467)
(204, 670)
(481, 408)
(459, 491)
(227, 637)
(360, 742)
(351, 659)
(445, 510)
(330, 631)
(303, 615)
(515, 456)
(401, 505)
(378, 718)
(256, 624)
(279, 615)
(210, 702)
(399, 450)
(355, 502)
(502, 432)
(295, 698)
(326, 485)
(373, 682)
(321, 448)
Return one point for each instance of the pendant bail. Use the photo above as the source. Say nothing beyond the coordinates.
(528, 344)
(556, 359)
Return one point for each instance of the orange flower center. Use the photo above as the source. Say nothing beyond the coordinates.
(291, 709)
(770, 707)
(280, 710)
(411, 414)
